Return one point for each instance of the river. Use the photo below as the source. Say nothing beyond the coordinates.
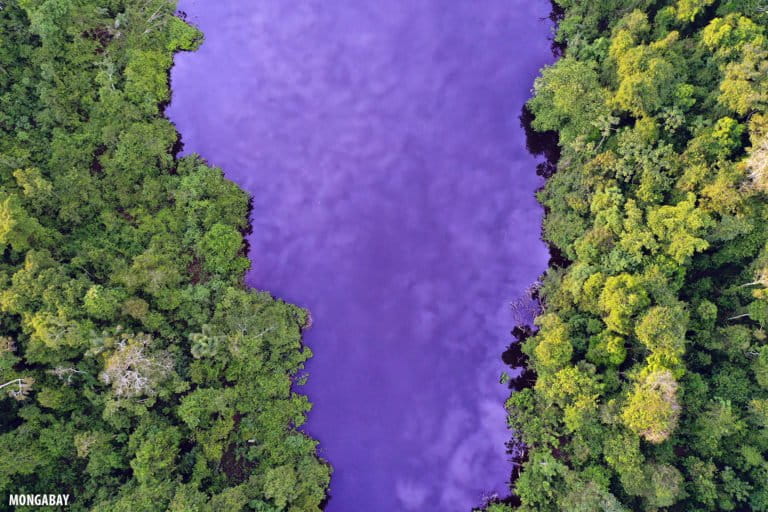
(394, 198)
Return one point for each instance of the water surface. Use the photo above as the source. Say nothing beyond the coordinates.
(393, 197)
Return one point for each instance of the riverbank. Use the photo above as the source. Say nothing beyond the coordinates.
(642, 390)
(140, 373)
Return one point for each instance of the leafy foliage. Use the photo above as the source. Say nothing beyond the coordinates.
(651, 357)
(141, 374)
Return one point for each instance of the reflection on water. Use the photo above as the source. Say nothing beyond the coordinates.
(393, 197)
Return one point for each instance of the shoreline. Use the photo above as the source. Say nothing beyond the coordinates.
(545, 144)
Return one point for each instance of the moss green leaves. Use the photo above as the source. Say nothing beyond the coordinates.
(146, 376)
(650, 358)
(652, 409)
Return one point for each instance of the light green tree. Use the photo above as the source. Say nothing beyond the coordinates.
(652, 409)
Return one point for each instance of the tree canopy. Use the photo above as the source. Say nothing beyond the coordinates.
(648, 373)
(139, 373)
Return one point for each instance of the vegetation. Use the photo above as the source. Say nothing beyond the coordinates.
(138, 372)
(651, 357)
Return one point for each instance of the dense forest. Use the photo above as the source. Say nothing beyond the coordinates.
(648, 370)
(138, 373)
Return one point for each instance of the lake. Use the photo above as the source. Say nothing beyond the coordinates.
(393, 197)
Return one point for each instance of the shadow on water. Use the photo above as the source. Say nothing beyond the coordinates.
(542, 144)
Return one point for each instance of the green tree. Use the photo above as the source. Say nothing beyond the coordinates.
(622, 298)
(18, 229)
(220, 250)
(679, 228)
(569, 99)
(652, 409)
(553, 346)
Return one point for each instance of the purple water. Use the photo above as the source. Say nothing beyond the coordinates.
(393, 197)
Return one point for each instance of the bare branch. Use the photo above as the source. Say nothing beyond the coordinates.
(66, 373)
(24, 387)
